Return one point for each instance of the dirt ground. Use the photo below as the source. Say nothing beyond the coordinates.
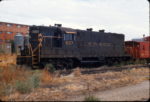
(59, 87)
(138, 92)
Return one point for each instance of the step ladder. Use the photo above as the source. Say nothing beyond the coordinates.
(36, 57)
(35, 61)
(36, 53)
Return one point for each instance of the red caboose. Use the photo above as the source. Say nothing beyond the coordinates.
(138, 49)
(147, 38)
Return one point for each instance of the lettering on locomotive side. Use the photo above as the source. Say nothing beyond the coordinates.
(89, 43)
(99, 44)
(68, 42)
(105, 44)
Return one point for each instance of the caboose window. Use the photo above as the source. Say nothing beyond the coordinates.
(143, 47)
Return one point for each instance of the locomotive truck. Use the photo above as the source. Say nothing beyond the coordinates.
(67, 48)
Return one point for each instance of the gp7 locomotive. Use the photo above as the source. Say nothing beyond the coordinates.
(67, 48)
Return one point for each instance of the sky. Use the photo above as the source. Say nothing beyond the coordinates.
(128, 17)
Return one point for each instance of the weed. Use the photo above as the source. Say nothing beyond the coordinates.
(136, 61)
(119, 64)
(131, 62)
(35, 80)
(143, 62)
(91, 99)
(77, 72)
(2, 51)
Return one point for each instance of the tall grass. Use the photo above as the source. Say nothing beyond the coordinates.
(10, 73)
(22, 79)
(130, 62)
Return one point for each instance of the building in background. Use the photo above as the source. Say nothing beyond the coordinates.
(7, 34)
(9, 30)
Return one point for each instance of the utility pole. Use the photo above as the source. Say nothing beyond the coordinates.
(149, 16)
(149, 29)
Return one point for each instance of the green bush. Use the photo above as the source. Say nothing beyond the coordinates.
(130, 62)
(50, 68)
(29, 84)
(6, 89)
(120, 64)
(23, 86)
(137, 61)
(35, 80)
(143, 62)
(2, 51)
(91, 98)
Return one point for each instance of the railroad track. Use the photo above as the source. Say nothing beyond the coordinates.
(103, 69)
(106, 69)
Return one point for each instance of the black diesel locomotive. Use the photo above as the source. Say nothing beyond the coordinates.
(68, 48)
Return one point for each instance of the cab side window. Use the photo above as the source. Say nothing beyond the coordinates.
(70, 37)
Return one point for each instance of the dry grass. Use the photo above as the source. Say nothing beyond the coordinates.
(10, 73)
(6, 60)
(59, 88)
(46, 77)
(77, 72)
